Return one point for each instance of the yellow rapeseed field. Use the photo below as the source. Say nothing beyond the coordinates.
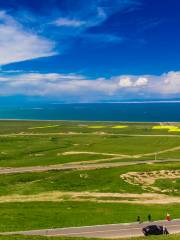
(169, 128)
(49, 126)
(120, 126)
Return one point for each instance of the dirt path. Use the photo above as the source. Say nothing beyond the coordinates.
(158, 152)
(116, 156)
(122, 155)
(91, 153)
(73, 166)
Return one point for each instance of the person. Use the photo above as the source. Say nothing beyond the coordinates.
(165, 231)
(149, 217)
(138, 219)
(168, 217)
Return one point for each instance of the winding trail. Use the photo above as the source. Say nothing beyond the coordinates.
(118, 155)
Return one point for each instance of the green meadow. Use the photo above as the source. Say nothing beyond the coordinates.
(35, 150)
(43, 215)
(49, 199)
(98, 180)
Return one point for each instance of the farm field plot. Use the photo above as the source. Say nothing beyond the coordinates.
(136, 171)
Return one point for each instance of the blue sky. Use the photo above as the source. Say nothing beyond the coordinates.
(90, 51)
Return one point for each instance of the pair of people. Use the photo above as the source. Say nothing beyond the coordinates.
(139, 218)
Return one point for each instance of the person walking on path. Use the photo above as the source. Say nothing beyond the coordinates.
(149, 217)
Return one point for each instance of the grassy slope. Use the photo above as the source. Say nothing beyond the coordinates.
(40, 215)
(44, 150)
(22, 150)
(100, 180)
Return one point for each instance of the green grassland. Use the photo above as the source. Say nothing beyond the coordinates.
(171, 186)
(9, 127)
(99, 180)
(169, 155)
(43, 215)
(17, 151)
(38, 143)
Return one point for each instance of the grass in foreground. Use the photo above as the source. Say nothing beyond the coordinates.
(40, 215)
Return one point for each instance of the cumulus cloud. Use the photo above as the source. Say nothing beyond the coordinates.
(63, 85)
(171, 83)
(125, 82)
(19, 44)
(141, 81)
(131, 81)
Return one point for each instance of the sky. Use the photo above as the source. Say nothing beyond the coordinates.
(89, 51)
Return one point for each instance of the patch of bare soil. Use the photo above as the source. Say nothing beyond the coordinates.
(147, 179)
(38, 154)
(56, 196)
(89, 153)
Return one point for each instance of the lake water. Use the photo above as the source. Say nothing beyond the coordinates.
(141, 112)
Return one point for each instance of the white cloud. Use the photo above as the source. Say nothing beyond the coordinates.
(125, 82)
(131, 81)
(66, 22)
(171, 83)
(19, 44)
(91, 15)
(141, 81)
(78, 86)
